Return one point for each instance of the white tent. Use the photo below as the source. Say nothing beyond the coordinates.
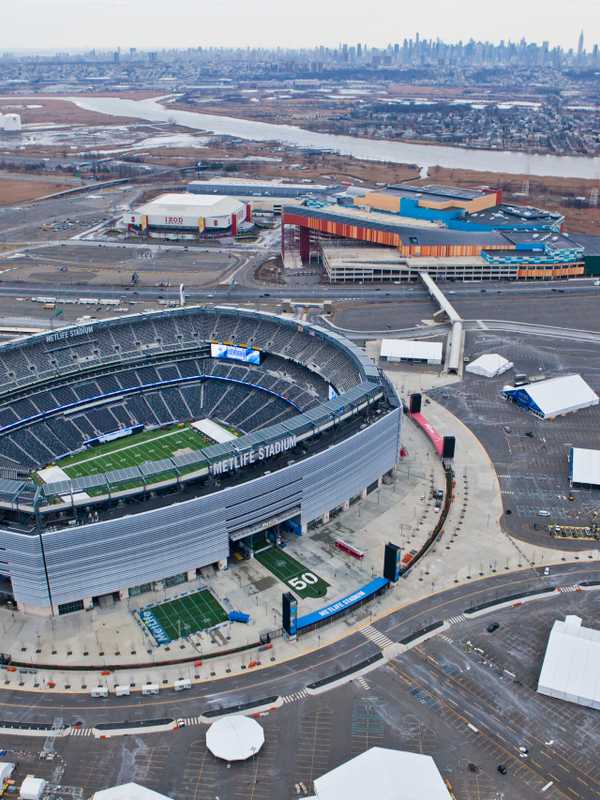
(553, 397)
(6, 770)
(571, 668)
(584, 466)
(235, 738)
(489, 365)
(128, 791)
(385, 775)
(32, 788)
(411, 350)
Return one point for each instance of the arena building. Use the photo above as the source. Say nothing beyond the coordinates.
(185, 215)
(451, 233)
(107, 489)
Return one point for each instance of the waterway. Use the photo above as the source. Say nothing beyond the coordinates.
(423, 156)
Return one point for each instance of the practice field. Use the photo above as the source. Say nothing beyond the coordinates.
(182, 616)
(129, 451)
(297, 577)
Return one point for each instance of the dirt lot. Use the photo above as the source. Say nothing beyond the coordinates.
(17, 191)
(57, 111)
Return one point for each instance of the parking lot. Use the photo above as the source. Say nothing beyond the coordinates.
(530, 454)
(467, 697)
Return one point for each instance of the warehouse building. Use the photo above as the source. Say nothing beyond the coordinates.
(396, 351)
(554, 397)
(183, 215)
(571, 668)
(584, 467)
(264, 195)
(10, 123)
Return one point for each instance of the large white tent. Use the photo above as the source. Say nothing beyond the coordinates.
(571, 668)
(489, 365)
(235, 738)
(129, 791)
(553, 397)
(396, 350)
(584, 466)
(385, 775)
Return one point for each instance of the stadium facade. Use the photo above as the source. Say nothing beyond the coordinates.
(318, 426)
(397, 232)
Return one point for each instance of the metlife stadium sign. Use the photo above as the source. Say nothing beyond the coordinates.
(246, 354)
(252, 456)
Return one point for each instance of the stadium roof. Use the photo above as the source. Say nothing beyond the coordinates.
(555, 396)
(385, 775)
(411, 349)
(128, 791)
(489, 365)
(188, 204)
(571, 668)
(584, 466)
(235, 738)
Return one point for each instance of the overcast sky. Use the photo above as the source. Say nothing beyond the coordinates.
(76, 24)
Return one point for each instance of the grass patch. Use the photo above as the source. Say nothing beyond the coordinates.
(301, 580)
(178, 618)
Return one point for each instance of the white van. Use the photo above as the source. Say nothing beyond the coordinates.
(122, 691)
(150, 688)
(99, 691)
(181, 684)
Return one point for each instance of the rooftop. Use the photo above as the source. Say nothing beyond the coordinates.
(571, 668)
(385, 775)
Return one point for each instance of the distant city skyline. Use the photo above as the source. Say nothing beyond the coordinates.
(39, 25)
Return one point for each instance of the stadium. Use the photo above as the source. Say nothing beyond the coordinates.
(141, 449)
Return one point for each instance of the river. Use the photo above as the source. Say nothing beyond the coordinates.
(370, 149)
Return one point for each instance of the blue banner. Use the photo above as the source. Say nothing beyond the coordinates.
(343, 604)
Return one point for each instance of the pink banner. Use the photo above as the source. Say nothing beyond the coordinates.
(430, 431)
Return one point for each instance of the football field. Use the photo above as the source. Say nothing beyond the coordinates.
(295, 575)
(178, 618)
(129, 451)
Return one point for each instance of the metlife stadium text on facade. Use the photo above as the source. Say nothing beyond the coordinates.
(251, 457)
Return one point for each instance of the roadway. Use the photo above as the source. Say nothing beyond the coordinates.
(292, 675)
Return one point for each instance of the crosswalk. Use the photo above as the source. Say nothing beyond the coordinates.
(295, 696)
(377, 637)
(187, 721)
(81, 732)
(362, 683)
(457, 619)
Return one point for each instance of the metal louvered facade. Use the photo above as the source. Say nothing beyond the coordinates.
(74, 563)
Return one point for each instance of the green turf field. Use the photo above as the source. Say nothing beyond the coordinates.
(130, 451)
(296, 577)
(182, 616)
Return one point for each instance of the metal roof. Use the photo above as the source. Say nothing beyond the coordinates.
(571, 668)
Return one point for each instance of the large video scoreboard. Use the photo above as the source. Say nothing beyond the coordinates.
(231, 351)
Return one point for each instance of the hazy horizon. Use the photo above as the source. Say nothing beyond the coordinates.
(108, 24)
